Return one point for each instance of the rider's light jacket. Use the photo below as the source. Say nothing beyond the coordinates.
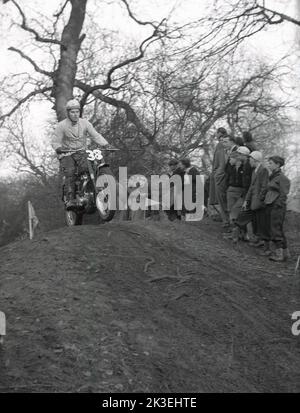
(73, 136)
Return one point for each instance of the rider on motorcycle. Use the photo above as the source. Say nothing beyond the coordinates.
(71, 134)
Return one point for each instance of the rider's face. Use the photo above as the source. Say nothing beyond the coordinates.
(74, 114)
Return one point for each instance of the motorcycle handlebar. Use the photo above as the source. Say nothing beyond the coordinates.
(80, 150)
(110, 149)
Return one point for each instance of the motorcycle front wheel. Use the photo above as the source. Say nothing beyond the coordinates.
(73, 218)
(104, 197)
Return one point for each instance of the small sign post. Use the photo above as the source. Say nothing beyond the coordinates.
(297, 265)
(2, 327)
(33, 220)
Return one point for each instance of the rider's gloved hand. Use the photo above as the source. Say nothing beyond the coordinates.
(110, 147)
(59, 150)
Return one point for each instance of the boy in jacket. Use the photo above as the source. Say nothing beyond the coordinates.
(275, 200)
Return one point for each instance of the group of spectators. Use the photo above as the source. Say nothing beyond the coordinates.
(250, 197)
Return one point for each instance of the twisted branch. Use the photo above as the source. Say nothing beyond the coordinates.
(25, 99)
(34, 64)
(130, 113)
(25, 27)
(135, 19)
(281, 16)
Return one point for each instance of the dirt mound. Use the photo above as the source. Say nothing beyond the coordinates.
(146, 307)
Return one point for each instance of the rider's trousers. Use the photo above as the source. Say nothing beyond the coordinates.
(68, 166)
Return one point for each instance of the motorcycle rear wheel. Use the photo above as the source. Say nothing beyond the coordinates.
(105, 213)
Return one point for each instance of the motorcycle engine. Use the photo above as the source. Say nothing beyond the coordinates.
(85, 197)
(84, 178)
(89, 202)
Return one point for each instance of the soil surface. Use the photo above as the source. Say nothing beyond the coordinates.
(148, 307)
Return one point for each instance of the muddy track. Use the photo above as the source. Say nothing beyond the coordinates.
(146, 307)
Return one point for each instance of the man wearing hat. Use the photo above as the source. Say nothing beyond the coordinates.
(239, 178)
(252, 208)
(275, 200)
(243, 153)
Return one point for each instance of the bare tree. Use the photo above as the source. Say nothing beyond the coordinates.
(271, 16)
(187, 101)
(27, 156)
(173, 110)
(58, 82)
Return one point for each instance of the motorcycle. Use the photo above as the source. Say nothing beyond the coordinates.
(91, 193)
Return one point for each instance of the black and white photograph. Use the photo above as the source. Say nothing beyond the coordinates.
(149, 199)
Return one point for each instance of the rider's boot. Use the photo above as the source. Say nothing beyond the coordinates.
(71, 204)
(70, 201)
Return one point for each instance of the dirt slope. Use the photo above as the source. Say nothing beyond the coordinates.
(155, 307)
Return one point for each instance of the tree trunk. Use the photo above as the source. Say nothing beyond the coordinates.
(67, 67)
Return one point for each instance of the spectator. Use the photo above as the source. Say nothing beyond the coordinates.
(235, 191)
(218, 184)
(252, 209)
(249, 142)
(189, 178)
(174, 169)
(173, 166)
(239, 141)
(274, 214)
(206, 193)
(243, 154)
(230, 145)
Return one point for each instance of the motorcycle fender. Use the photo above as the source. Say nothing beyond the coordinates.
(101, 166)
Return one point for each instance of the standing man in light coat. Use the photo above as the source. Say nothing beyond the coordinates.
(253, 206)
(218, 181)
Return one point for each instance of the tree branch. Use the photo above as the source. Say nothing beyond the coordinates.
(142, 48)
(134, 18)
(36, 67)
(60, 12)
(281, 16)
(130, 113)
(23, 100)
(25, 27)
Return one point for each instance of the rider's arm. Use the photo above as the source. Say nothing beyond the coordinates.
(96, 137)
